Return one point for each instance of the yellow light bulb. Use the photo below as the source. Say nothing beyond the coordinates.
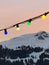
(43, 17)
(18, 28)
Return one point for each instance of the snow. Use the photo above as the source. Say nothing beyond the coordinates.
(29, 39)
(26, 40)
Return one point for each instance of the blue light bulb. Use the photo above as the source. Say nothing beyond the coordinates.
(5, 32)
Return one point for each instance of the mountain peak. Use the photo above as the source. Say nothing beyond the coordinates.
(42, 35)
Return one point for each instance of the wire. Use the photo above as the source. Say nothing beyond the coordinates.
(31, 19)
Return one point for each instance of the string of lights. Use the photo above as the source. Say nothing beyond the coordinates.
(28, 22)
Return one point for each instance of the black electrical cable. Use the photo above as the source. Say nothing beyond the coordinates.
(31, 19)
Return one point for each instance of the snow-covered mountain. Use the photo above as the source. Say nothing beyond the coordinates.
(29, 49)
(37, 39)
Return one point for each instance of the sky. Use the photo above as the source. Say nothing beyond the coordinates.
(14, 11)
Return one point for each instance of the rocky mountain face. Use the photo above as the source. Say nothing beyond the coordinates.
(42, 35)
(30, 49)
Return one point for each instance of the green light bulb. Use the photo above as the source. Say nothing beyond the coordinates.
(28, 23)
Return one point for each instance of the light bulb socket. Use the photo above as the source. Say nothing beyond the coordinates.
(30, 20)
(5, 31)
(17, 25)
(46, 13)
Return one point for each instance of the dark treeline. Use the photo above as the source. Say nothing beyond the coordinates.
(22, 52)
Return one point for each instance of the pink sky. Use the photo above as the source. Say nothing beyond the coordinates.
(14, 11)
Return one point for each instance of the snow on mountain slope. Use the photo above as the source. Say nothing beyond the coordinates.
(28, 49)
(40, 39)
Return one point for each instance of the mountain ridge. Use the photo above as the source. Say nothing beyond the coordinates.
(27, 49)
(28, 39)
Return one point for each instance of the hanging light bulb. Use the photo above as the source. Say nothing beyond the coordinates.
(5, 31)
(18, 27)
(28, 22)
(43, 16)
